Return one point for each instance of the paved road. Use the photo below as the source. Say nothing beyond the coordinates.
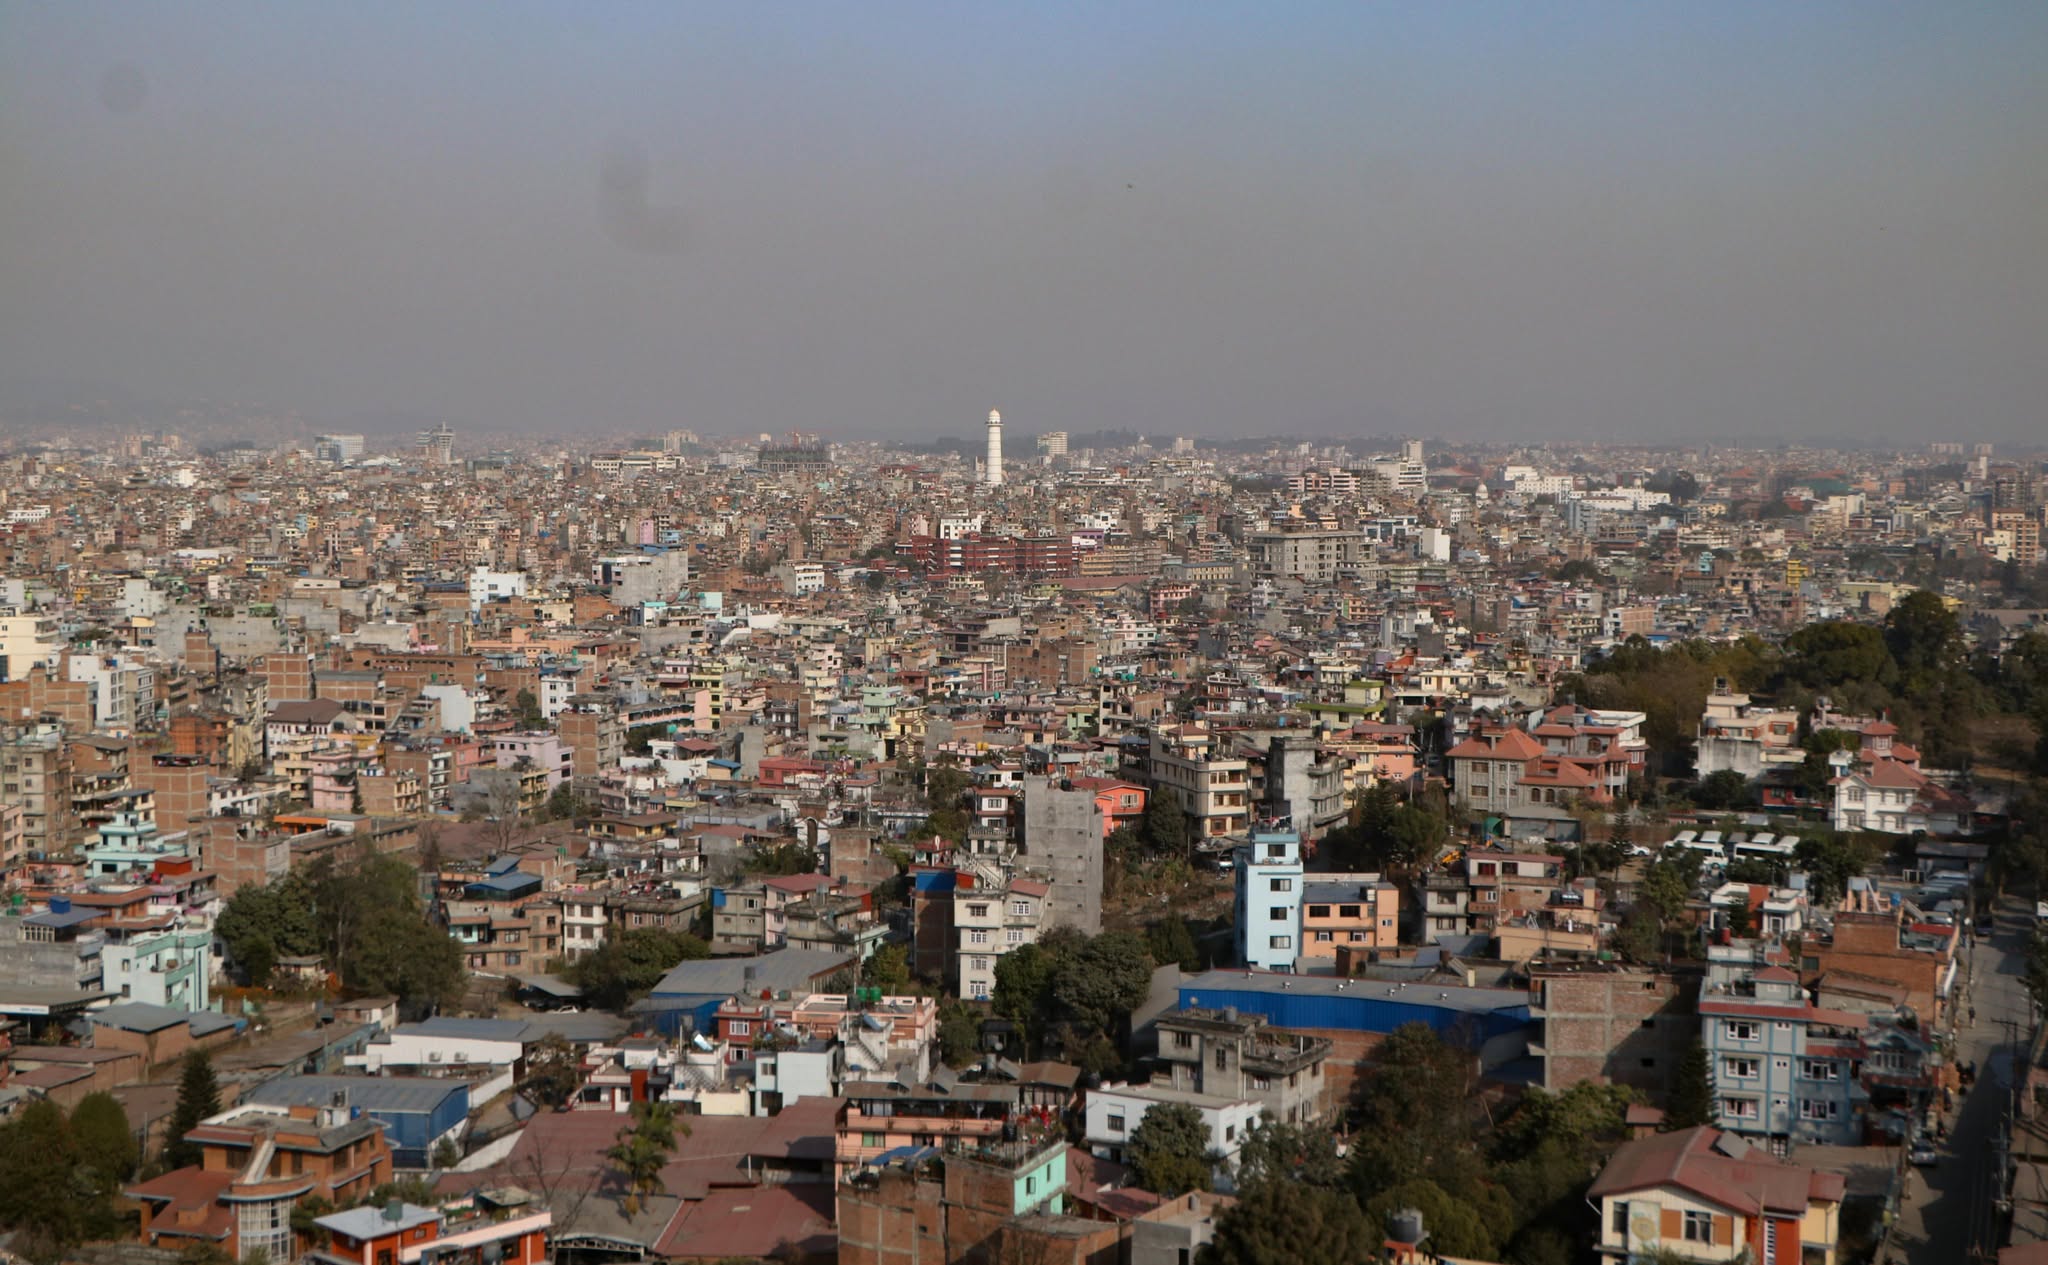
(1946, 1215)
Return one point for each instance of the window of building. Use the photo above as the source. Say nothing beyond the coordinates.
(1021, 908)
(1739, 1108)
(1183, 1040)
(1324, 937)
(1740, 1031)
(1116, 1123)
(871, 1139)
(1031, 1185)
(738, 1028)
(1281, 942)
(1699, 1227)
(977, 937)
(1279, 884)
(1740, 1069)
(1319, 911)
(1817, 1069)
(1617, 1218)
(1348, 911)
(977, 911)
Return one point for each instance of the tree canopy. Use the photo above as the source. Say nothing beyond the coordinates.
(628, 965)
(1169, 1150)
(359, 911)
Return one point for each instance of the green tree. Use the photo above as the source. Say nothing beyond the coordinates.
(1834, 653)
(198, 1098)
(1414, 836)
(1639, 937)
(1169, 940)
(1456, 1227)
(1277, 1152)
(564, 804)
(526, 710)
(1164, 827)
(42, 1197)
(264, 922)
(1024, 990)
(642, 1150)
(1414, 1111)
(887, 968)
(959, 1034)
(1923, 635)
(105, 1141)
(1287, 1223)
(447, 1154)
(1692, 1091)
(372, 927)
(1723, 789)
(1740, 922)
(1169, 1150)
(627, 966)
(1103, 981)
(305, 1218)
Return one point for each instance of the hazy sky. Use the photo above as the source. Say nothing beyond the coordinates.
(1599, 220)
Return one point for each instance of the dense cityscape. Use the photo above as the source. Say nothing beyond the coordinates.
(1018, 847)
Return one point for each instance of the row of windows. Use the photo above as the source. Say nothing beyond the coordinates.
(1809, 1108)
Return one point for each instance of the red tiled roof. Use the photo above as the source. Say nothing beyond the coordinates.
(753, 1223)
(1688, 1161)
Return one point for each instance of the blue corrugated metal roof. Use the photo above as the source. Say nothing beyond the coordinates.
(1357, 1005)
(515, 884)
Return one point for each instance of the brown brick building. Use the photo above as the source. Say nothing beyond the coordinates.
(1612, 1025)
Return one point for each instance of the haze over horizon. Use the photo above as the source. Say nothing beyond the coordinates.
(1486, 221)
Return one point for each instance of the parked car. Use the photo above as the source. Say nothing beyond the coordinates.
(1923, 1155)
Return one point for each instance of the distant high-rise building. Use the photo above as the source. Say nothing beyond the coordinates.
(1182, 444)
(1053, 443)
(992, 470)
(337, 449)
(437, 446)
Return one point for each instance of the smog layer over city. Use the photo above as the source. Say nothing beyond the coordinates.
(1136, 634)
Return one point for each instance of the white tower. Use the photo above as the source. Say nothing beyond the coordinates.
(992, 470)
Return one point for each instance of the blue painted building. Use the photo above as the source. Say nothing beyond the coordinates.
(416, 1111)
(1269, 900)
(1784, 1070)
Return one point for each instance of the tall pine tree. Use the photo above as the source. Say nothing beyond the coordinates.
(1692, 1095)
(198, 1098)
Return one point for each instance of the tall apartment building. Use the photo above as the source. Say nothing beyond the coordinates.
(337, 449)
(1611, 1025)
(1226, 1054)
(27, 640)
(1314, 556)
(990, 918)
(595, 737)
(1783, 1068)
(1268, 903)
(36, 773)
(1063, 833)
(1188, 765)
